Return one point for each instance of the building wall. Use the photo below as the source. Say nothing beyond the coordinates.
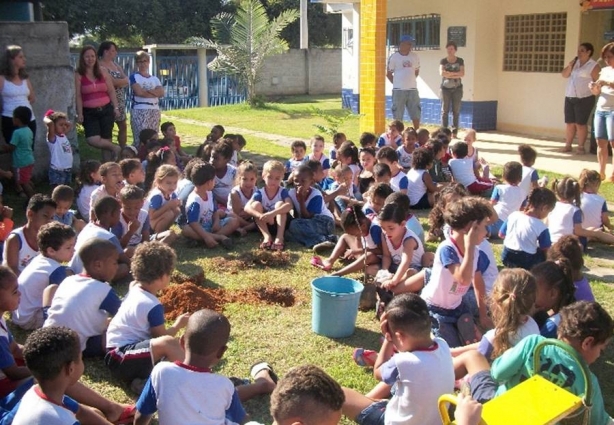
(45, 45)
(313, 71)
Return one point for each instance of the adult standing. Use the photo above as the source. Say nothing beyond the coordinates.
(146, 90)
(579, 100)
(604, 114)
(107, 53)
(452, 70)
(403, 68)
(15, 90)
(96, 103)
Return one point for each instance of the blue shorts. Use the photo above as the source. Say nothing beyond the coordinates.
(130, 361)
(483, 387)
(58, 177)
(373, 414)
(521, 259)
(209, 225)
(604, 125)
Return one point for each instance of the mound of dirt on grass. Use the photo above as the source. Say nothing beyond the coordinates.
(233, 264)
(178, 277)
(264, 294)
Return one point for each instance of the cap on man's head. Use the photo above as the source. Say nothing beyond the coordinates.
(408, 39)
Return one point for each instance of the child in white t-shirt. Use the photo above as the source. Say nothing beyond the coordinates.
(88, 181)
(406, 150)
(64, 196)
(225, 173)
(417, 366)
(317, 153)
(398, 180)
(463, 170)
(530, 176)
(595, 214)
(60, 167)
(56, 243)
(421, 189)
(299, 150)
(508, 197)
(392, 137)
(85, 301)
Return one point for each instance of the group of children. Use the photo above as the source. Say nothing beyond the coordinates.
(126, 212)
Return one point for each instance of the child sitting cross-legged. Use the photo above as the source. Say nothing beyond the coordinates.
(205, 222)
(63, 196)
(85, 301)
(137, 337)
(398, 179)
(247, 176)
(418, 367)
(107, 210)
(225, 173)
(132, 171)
(570, 248)
(162, 202)
(508, 197)
(57, 245)
(307, 395)
(175, 389)
(111, 176)
(464, 173)
(270, 206)
(421, 188)
(133, 226)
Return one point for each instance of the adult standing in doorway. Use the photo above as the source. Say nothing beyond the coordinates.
(451, 69)
(403, 69)
(96, 103)
(146, 90)
(604, 114)
(579, 101)
(107, 53)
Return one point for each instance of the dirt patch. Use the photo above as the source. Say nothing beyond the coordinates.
(234, 264)
(188, 297)
(178, 277)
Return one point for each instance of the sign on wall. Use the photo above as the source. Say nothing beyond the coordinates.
(597, 4)
(458, 35)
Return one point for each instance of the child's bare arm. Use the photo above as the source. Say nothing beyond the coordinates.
(431, 187)
(204, 235)
(605, 220)
(154, 214)
(481, 297)
(50, 130)
(133, 226)
(162, 330)
(11, 253)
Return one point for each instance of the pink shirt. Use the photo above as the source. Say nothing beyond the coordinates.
(94, 93)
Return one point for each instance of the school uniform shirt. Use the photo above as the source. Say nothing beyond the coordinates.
(356, 170)
(492, 272)
(384, 140)
(199, 210)
(549, 329)
(593, 206)
(121, 228)
(98, 193)
(83, 304)
(462, 171)
(242, 197)
(83, 200)
(35, 408)
(139, 312)
(374, 237)
(399, 181)
(224, 184)
(529, 176)
(314, 204)
(443, 290)
(91, 231)
(234, 159)
(61, 153)
(405, 158)
(156, 199)
(416, 187)
(26, 252)
(268, 204)
(418, 378)
(521, 232)
(562, 220)
(292, 164)
(40, 273)
(396, 252)
(324, 160)
(184, 188)
(486, 345)
(332, 154)
(509, 199)
(66, 219)
(185, 394)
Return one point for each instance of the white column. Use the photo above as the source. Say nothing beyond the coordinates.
(203, 81)
(304, 25)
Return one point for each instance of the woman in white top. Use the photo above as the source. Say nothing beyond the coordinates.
(15, 90)
(579, 100)
(107, 53)
(604, 114)
(146, 90)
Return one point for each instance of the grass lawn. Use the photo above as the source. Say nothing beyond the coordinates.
(282, 335)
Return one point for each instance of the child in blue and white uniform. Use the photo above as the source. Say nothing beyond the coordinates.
(392, 137)
(595, 214)
(299, 150)
(508, 197)
(247, 176)
(529, 174)
(317, 153)
(421, 189)
(406, 150)
(398, 179)
(225, 174)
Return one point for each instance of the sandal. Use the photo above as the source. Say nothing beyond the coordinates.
(317, 262)
(259, 367)
(364, 358)
(127, 415)
(278, 246)
(466, 329)
(266, 245)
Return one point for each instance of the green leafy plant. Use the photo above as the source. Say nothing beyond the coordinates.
(333, 122)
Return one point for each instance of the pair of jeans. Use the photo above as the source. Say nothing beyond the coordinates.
(451, 100)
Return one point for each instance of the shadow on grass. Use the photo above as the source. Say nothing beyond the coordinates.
(603, 368)
(361, 337)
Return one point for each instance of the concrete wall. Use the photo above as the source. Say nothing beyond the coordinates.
(313, 71)
(45, 45)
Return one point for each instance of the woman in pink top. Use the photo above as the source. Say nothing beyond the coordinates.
(96, 103)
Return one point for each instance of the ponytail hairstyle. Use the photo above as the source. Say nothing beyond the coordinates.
(154, 161)
(567, 190)
(589, 178)
(348, 149)
(540, 197)
(352, 217)
(557, 275)
(88, 168)
(511, 301)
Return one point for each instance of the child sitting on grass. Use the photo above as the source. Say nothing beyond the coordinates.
(382, 173)
(508, 197)
(570, 248)
(137, 338)
(392, 137)
(530, 176)
(162, 202)
(84, 302)
(421, 189)
(205, 221)
(346, 192)
(21, 246)
(398, 180)
(464, 173)
(225, 173)
(170, 133)
(270, 206)
(418, 367)
(108, 211)
(440, 173)
(111, 176)
(411, 221)
(448, 194)
(407, 148)
(174, 389)
(306, 394)
(247, 177)
(338, 140)
(6, 223)
(238, 143)
(88, 181)
(299, 150)
(132, 171)
(317, 153)
(367, 162)
(63, 196)
(375, 198)
(595, 214)
(56, 242)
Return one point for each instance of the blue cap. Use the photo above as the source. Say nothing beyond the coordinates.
(408, 39)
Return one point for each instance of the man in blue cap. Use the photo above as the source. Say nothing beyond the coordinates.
(403, 68)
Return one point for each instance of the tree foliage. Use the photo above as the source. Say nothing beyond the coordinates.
(244, 40)
(153, 21)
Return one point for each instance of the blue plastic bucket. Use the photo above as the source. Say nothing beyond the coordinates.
(334, 306)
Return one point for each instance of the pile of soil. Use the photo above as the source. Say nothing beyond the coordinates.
(264, 294)
(178, 277)
(233, 264)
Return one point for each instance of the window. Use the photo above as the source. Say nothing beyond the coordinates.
(535, 43)
(425, 28)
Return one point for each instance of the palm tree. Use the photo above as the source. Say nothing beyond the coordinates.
(244, 40)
